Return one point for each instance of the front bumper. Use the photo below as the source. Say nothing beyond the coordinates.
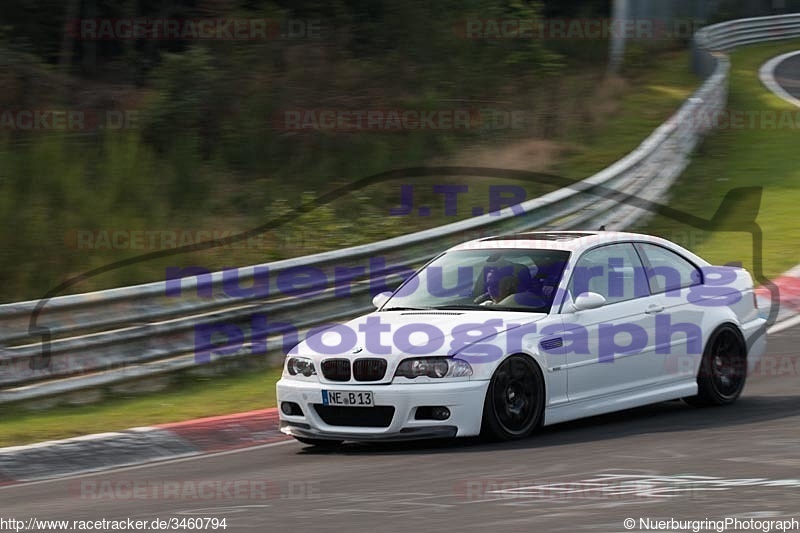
(464, 399)
(297, 429)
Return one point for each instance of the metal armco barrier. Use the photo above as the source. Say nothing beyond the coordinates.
(90, 340)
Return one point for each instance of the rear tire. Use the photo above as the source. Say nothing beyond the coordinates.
(723, 369)
(320, 443)
(514, 402)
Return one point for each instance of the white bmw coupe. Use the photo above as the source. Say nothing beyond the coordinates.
(502, 335)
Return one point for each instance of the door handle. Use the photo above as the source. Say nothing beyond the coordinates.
(654, 309)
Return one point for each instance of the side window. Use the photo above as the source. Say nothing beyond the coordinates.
(668, 271)
(614, 271)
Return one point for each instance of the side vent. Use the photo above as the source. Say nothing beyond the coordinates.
(552, 343)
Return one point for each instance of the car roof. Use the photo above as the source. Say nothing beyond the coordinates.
(571, 241)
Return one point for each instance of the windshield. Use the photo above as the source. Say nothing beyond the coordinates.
(513, 280)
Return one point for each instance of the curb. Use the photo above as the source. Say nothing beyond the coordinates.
(789, 293)
(228, 432)
(137, 446)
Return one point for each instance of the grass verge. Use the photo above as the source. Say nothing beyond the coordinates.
(759, 153)
(659, 93)
(193, 397)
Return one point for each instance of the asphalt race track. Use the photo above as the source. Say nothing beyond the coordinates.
(573, 477)
(787, 74)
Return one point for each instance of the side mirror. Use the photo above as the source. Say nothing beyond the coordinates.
(379, 299)
(588, 300)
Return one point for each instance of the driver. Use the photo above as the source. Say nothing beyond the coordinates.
(507, 283)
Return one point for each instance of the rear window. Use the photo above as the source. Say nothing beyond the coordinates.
(668, 271)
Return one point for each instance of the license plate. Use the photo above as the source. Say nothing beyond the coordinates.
(347, 398)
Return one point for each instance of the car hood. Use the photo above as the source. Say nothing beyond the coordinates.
(392, 334)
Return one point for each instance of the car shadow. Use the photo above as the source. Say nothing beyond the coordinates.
(673, 416)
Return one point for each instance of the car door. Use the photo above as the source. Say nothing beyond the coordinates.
(679, 337)
(609, 350)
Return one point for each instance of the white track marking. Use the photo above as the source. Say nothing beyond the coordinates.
(767, 76)
(786, 324)
(150, 464)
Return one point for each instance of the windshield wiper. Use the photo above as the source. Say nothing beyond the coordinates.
(516, 309)
(476, 307)
(461, 307)
(406, 309)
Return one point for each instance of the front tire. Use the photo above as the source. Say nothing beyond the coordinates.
(514, 401)
(723, 369)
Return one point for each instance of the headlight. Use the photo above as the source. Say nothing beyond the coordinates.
(433, 367)
(300, 365)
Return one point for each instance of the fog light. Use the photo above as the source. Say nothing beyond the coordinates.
(440, 413)
(291, 409)
(432, 413)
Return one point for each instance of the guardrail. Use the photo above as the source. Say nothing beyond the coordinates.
(76, 342)
(711, 41)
